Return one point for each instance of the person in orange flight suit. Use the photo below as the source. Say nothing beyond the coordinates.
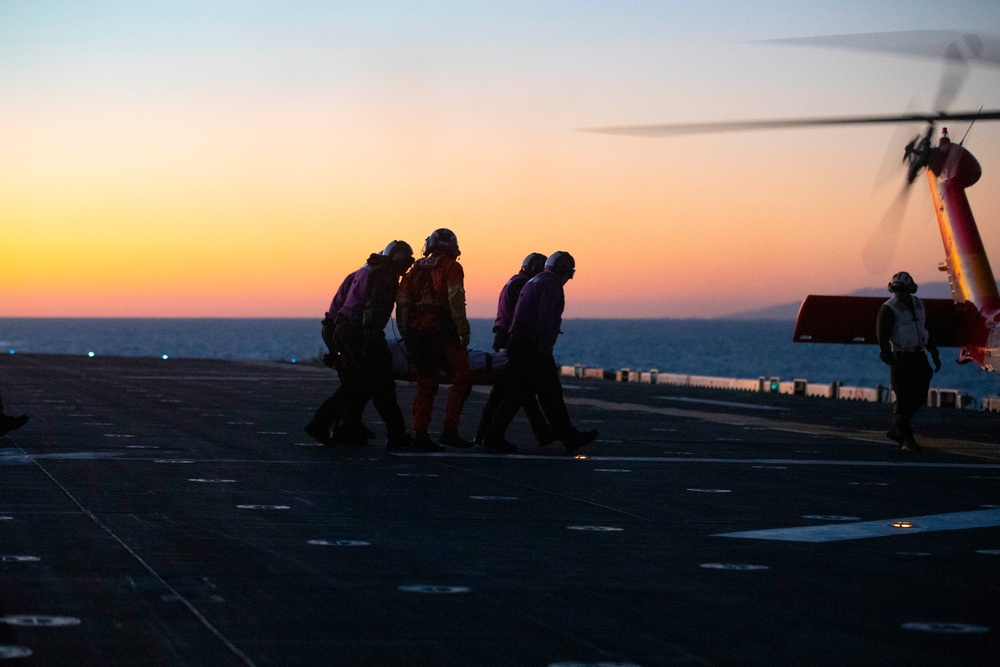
(430, 312)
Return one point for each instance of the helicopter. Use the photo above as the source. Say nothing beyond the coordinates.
(970, 320)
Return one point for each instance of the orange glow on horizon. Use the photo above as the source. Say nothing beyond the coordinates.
(246, 178)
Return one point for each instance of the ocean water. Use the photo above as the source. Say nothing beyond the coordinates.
(724, 348)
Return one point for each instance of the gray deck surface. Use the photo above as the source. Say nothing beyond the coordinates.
(174, 513)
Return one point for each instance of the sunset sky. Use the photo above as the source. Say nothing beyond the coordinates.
(237, 159)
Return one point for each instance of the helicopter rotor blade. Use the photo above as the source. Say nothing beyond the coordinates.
(956, 68)
(880, 249)
(979, 48)
(744, 125)
(889, 168)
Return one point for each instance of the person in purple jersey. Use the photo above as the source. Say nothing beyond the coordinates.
(351, 429)
(532, 265)
(9, 423)
(330, 321)
(531, 366)
(366, 371)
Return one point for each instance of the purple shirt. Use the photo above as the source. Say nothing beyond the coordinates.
(508, 301)
(539, 310)
(340, 298)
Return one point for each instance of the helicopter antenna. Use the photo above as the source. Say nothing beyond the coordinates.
(962, 142)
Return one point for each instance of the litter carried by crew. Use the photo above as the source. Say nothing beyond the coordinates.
(433, 349)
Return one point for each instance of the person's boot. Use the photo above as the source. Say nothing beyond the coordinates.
(578, 439)
(451, 438)
(910, 446)
(894, 435)
(423, 443)
(319, 434)
(8, 424)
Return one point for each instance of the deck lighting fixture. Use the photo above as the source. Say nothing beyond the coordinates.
(90, 354)
(902, 524)
(580, 456)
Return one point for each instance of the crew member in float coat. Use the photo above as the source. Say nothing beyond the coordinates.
(532, 265)
(531, 366)
(360, 337)
(430, 312)
(901, 329)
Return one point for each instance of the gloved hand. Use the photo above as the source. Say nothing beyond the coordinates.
(499, 340)
(937, 361)
(465, 338)
(886, 358)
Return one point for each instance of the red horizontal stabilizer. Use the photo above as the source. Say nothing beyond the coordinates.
(851, 320)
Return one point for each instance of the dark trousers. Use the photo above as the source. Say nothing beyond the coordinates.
(910, 375)
(532, 410)
(335, 361)
(365, 373)
(531, 373)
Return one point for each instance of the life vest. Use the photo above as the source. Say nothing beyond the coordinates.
(909, 331)
(434, 294)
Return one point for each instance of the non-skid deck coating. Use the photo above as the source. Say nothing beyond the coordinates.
(173, 513)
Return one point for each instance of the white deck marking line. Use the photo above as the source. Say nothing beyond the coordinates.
(686, 459)
(149, 568)
(880, 528)
(728, 404)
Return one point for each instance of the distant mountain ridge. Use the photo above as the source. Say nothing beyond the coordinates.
(789, 311)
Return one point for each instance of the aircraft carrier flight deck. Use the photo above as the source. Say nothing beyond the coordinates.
(173, 512)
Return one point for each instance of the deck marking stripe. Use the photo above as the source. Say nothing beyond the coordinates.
(669, 459)
(728, 404)
(149, 568)
(880, 528)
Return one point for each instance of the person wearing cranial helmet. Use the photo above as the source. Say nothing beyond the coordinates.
(532, 265)
(531, 367)
(430, 312)
(364, 357)
(901, 330)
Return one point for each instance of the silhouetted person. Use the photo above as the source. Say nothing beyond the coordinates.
(10, 423)
(531, 367)
(532, 265)
(360, 337)
(431, 315)
(902, 337)
(351, 429)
